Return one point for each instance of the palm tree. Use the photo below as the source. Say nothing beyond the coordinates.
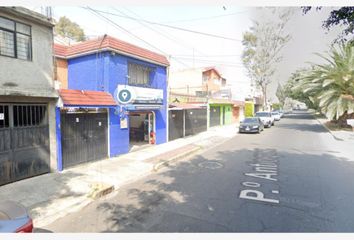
(331, 84)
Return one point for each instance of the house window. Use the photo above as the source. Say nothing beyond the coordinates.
(139, 75)
(216, 81)
(15, 39)
(29, 115)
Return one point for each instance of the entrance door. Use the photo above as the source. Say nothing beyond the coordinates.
(84, 137)
(175, 124)
(214, 116)
(223, 115)
(196, 121)
(151, 128)
(141, 124)
(24, 141)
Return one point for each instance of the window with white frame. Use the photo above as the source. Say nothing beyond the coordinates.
(15, 39)
(217, 81)
(139, 75)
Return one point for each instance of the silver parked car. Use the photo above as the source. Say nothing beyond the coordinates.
(266, 118)
(276, 115)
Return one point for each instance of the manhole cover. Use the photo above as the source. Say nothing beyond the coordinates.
(210, 165)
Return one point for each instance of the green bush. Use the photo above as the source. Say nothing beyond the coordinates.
(276, 106)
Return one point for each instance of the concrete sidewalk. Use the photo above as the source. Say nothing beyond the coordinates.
(52, 196)
(340, 135)
(342, 141)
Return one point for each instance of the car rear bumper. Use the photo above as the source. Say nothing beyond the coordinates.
(253, 130)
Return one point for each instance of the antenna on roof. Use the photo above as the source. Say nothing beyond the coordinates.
(49, 12)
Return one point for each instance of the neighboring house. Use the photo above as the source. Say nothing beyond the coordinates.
(196, 81)
(199, 99)
(114, 98)
(27, 95)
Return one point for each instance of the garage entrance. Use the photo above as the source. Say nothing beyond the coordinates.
(141, 128)
(24, 141)
(195, 121)
(214, 116)
(84, 136)
(175, 124)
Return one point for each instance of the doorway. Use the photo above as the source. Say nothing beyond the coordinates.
(83, 137)
(141, 129)
(24, 141)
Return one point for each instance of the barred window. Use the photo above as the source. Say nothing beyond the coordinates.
(139, 75)
(15, 39)
(4, 116)
(29, 115)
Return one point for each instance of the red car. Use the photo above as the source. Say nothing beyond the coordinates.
(14, 218)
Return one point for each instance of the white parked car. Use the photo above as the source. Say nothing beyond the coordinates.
(266, 118)
(276, 115)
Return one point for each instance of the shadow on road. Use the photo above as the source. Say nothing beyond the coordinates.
(193, 198)
(304, 127)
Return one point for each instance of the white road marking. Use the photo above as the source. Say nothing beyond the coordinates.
(251, 184)
(259, 196)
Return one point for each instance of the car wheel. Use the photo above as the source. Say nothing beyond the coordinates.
(272, 123)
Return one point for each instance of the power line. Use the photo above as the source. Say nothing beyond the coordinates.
(169, 26)
(207, 56)
(208, 61)
(122, 28)
(205, 18)
(171, 38)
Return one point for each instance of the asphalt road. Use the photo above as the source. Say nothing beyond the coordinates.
(290, 178)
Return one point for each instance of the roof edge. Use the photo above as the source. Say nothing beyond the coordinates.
(114, 50)
(28, 15)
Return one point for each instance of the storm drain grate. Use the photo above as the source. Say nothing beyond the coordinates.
(210, 165)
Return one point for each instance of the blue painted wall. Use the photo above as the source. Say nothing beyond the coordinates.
(103, 72)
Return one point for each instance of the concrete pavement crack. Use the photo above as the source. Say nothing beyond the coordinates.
(200, 219)
(306, 211)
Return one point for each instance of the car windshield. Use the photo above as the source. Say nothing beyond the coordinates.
(250, 120)
(262, 114)
(275, 113)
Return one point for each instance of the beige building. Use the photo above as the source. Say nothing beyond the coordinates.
(196, 81)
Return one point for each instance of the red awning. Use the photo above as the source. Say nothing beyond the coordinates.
(86, 98)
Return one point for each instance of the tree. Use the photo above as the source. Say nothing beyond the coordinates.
(292, 89)
(67, 28)
(342, 16)
(280, 94)
(262, 49)
(331, 84)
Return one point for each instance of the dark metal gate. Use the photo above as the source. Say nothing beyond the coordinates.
(175, 124)
(196, 121)
(24, 141)
(84, 137)
(214, 116)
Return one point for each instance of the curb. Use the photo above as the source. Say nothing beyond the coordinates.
(100, 190)
(334, 136)
(164, 163)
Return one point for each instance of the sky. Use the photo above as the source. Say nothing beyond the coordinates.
(187, 50)
(307, 38)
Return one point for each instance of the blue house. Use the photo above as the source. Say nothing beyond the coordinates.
(116, 99)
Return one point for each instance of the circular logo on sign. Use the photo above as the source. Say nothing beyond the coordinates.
(124, 96)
